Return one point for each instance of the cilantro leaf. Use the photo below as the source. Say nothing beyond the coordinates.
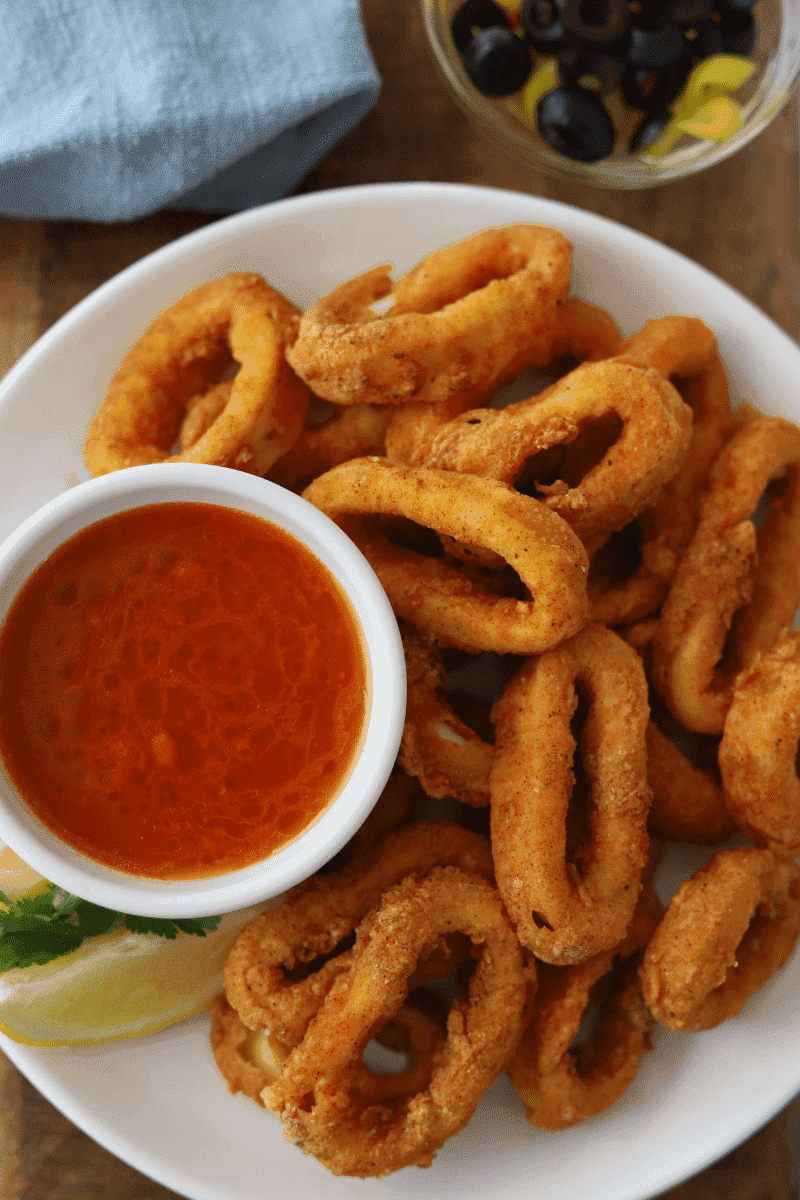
(170, 928)
(47, 943)
(37, 929)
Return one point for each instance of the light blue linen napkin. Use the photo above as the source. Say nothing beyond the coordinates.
(110, 109)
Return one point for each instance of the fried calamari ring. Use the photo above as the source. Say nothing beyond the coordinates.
(583, 332)
(561, 1083)
(319, 913)
(202, 411)
(688, 804)
(569, 902)
(439, 599)
(447, 757)
(726, 930)
(349, 433)
(730, 567)
(655, 430)
(673, 346)
(682, 349)
(463, 322)
(250, 1060)
(758, 751)
(317, 1094)
(185, 352)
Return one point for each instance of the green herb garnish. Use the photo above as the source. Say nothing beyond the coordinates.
(51, 923)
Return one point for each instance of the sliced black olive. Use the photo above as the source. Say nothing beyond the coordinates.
(739, 33)
(542, 25)
(735, 5)
(576, 62)
(707, 42)
(647, 89)
(657, 48)
(647, 14)
(600, 22)
(497, 62)
(575, 122)
(687, 12)
(648, 129)
(472, 15)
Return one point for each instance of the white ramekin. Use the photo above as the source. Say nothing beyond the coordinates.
(60, 519)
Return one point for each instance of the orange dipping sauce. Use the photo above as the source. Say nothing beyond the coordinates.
(183, 690)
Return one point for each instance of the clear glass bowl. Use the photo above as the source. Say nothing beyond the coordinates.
(777, 55)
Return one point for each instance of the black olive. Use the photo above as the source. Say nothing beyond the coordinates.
(656, 48)
(738, 31)
(542, 25)
(575, 62)
(687, 12)
(472, 15)
(707, 42)
(600, 22)
(648, 129)
(575, 122)
(647, 15)
(735, 5)
(647, 89)
(497, 62)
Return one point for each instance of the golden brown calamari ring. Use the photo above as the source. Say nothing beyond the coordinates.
(447, 757)
(317, 1094)
(730, 567)
(250, 1060)
(185, 353)
(758, 751)
(464, 321)
(656, 425)
(724, 933)
(350, 432)
(319, 913)
(583, 332)
(688, 804)
(559, 1083)
(570, 902)
(682, 349)
(436, 597)
(247, 1059)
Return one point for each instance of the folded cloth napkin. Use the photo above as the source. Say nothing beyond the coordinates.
(110, 109)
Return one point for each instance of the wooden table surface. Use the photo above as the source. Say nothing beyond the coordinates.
(739, 219)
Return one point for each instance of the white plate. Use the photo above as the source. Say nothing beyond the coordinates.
(158, 1102)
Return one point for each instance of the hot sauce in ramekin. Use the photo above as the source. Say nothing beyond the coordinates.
(183, 690)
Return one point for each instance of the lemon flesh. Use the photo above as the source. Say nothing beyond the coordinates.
(16, 877)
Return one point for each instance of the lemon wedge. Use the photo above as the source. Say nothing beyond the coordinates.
(16, 877)
(117, 985)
